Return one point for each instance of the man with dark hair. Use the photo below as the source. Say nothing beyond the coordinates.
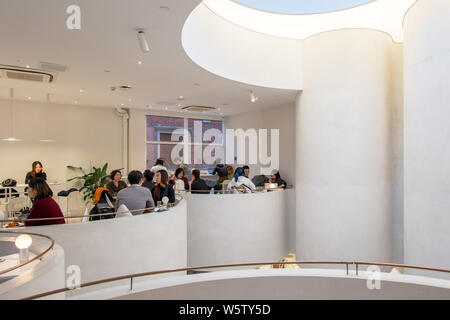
(198, 185)
(135, 196)
(246, 171)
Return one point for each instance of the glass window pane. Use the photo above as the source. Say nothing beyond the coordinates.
(161, 128)
(162, 151)
(202, 127)
(205, 160)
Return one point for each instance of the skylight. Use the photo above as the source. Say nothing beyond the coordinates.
(301, 6)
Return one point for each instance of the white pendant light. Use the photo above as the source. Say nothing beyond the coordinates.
(11, 137)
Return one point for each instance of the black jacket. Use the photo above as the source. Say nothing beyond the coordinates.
(167, 191)
(199, 185)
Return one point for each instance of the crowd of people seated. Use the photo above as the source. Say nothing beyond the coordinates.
(145, 190)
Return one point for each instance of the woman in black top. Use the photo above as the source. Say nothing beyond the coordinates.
(162, 188)
(276, 178)
(37, 171)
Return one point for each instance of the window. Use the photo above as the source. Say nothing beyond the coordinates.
(169, 137)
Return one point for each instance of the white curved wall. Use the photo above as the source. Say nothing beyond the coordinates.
(343, 183)
(116, 247)
(227, 50)
(295, 284)
(427, 134)
(237, 228)
(46, 275)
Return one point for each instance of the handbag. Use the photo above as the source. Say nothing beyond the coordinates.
(9, 183)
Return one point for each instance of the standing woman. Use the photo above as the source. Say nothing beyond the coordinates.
(37, 171)
(162, 188)
(116, 184)
(43, 204)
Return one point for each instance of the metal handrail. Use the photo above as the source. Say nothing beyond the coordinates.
(169, 205)
(39, 256)
(138, 275)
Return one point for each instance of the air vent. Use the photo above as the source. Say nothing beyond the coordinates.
(25, 74)
(50, 66)
(198, 108)
(167, 104)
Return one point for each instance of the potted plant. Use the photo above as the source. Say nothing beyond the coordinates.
(96, 178)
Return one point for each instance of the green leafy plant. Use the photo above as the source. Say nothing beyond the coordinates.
(96, 178)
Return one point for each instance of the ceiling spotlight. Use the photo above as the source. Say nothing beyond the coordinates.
(29, 98)
(28, 66)
(180, 98)
(143, 41)
(122, 104)
(139, 62)
(81, 90)
(253, 98)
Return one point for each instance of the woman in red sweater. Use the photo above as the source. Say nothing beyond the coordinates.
(43, 206)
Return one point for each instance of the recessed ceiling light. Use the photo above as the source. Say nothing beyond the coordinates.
(11, 139)
(29, 98)
(81, 90)
(28, 66)
(130, 100)
(180, 98)
(139, 62)
(76, 101)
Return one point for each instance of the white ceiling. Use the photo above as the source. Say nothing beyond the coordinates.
(33, 31)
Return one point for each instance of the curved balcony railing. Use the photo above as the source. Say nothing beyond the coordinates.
(37, 257)
(299, 263)
(169, 205)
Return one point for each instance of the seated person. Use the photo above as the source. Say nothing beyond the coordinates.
(162, 188)
(135, 196)
(246, 171)
(230, 171)
(116, 184)
(37, 171)
(221, 171)
(148, 180)
(43, 204)
(198, 185)
(179, 181)
(276, 178)
(240, 182)
(187, 171)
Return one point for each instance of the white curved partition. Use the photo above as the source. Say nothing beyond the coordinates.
(295, 284)
(236, 228)
(116, 247)
(427, 134)
(235, 53)
(343, 184)
(42, 275)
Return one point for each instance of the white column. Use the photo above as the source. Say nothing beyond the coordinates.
(344, 174)
(427, 134)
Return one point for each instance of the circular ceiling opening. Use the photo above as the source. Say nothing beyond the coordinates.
(301, 6)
